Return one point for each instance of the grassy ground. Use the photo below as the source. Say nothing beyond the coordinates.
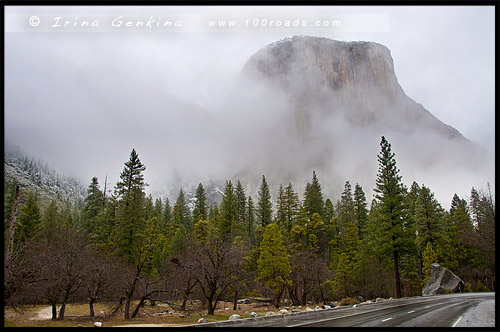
(77, 315)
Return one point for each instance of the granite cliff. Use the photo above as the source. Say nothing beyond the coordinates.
(306, 103)
(323, 77)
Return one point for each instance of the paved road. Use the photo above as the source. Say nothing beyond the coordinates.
(432, 311)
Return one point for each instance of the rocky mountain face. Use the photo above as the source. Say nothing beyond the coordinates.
(324, 77)
(327, 103)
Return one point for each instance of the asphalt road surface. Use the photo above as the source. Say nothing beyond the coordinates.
(431, 311)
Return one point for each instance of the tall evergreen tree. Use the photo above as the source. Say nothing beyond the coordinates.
(129, 231)
(241, 202)
(181, 216)
(158, 212)
(228, 213)
(200, 211)
(28, 221)
(281, 208)
(390, 196)
(313, 198)
(167, 215)
(250, 216)
(264, 205)
(329, 210)
(360, 210)
(429, 216)
(51, 221)
(345, 210)
(94, 203)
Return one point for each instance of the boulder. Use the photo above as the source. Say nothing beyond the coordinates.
(309, 309)
(295, 310)
(98, 324)
(318, 308)
(360, 298)
(442, 280)
(254, 314)
(326, 306)
(235, 317)
(270, 313)
(202, 320)
(283, 311)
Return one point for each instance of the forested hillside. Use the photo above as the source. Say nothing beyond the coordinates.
(38, 177)
(127, 246)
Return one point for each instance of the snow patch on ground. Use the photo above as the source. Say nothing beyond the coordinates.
(44, 314)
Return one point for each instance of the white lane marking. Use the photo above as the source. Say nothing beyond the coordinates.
(411, 311)
(427, 307)
(385, 320)
(458, 320)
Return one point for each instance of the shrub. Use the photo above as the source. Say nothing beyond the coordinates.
(480, 287)
(348, 301)
(468, 287)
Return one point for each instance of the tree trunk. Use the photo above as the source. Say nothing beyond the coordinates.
(118, 306)
(12, 227)
(396, 275)
(91, 307)
(235, 300)
(138, 307)
(62, 310)
(184, 302)
(127, 308)
(211, 308)
(54, 311)
(277, 297)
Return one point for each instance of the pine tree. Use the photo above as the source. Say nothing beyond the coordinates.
(201, 229)
(329, 211)
(429, 216)
(281, 208)
(180, 215)
(167, 215)
(390, 196)
(241, 202)
(51, 221)
(343, 278)
(264, 205)
(158, 212)
(200, 207)
(360, 210)
(94, 203)
(313, 198)
(228, 213)
(250, 216)
(345, 210)
(28, 221)
(129, 231)
(148, 207)
(273, 264)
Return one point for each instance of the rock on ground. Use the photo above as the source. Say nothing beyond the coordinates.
(442, 280)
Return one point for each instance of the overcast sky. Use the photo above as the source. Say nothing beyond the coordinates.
(81, 98)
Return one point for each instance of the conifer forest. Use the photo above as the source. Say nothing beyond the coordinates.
(126, 248)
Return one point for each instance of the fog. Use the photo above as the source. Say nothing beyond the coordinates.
(82, 100)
